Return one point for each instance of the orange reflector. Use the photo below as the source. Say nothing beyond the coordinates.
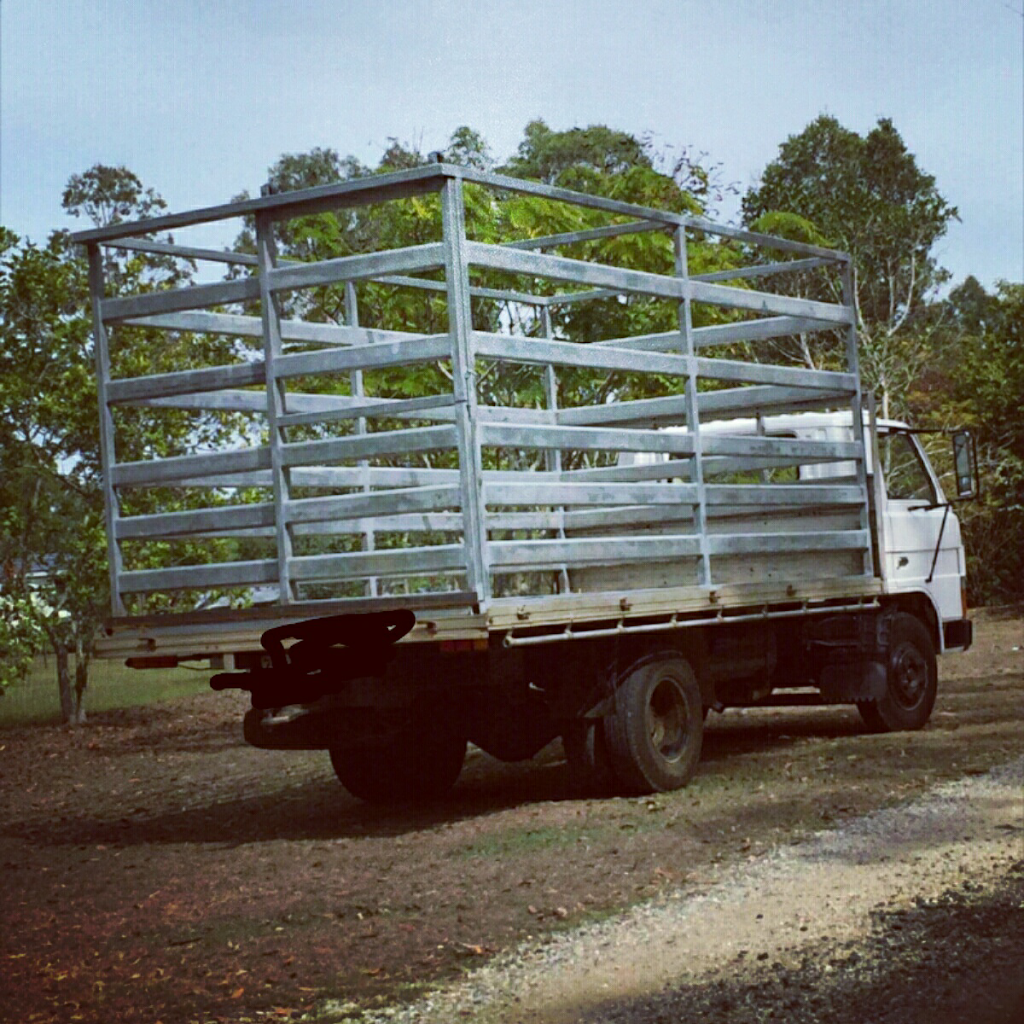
(460, 646)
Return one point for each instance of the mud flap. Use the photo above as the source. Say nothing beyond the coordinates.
(853, 682)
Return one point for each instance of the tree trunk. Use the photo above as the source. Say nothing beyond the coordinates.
(81, 682)
(67, 703)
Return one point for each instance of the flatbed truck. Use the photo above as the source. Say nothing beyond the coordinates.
(404, 575)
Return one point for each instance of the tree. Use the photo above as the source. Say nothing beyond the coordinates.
(598, 159)
(52, 541)
(558, 158)
(589, 159)
(867, 196)
(606, 162)
(469, 148)
(980, 384)
(110, 195)
(21, 636)
(49, 457)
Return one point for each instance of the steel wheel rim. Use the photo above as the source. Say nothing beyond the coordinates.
(667, 720)
(908, 676)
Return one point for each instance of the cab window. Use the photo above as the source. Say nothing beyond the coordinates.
(905, 476)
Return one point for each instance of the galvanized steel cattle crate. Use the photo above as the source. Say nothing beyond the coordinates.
(490, 516)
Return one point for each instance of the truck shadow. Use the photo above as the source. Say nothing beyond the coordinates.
(319, 808)
(315, 809)
(758, 730)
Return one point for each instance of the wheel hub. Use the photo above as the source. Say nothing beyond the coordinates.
(909, 676)
(667, 720)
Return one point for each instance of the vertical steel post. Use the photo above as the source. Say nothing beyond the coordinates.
(700, 520)
(272, 348)
(111, 506)
(356, 387)
(554, 457)
(877, 488)
(857, 409)
(460, 327)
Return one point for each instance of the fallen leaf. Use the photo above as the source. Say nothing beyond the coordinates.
(238, 993)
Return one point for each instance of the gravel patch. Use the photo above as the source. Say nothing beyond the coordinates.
(955, 959)
(823, 892)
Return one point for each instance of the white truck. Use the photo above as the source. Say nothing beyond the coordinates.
(393, 575)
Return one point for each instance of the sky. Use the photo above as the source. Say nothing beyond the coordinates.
(200, 97)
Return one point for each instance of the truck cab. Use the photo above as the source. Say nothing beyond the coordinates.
(918, 546)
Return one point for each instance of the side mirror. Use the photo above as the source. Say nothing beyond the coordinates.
(965, 462)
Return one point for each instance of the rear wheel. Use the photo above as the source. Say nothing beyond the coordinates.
(911, 680)
(407, 768)
(654, 738)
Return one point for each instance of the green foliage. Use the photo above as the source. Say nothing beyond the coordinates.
(618, 166)
(867, 196)
(784, 224)
(22, 636)
(571, 157)
(52, 539)
(110, 195)
(978, 383)
(469, 148)
(597, 159)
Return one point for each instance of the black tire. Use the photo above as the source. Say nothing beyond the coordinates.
(400, 770)
(654, 738)
(586, 755)
(911, 680)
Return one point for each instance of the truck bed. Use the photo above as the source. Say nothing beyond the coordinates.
(510, 621)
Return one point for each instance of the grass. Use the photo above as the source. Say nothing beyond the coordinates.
(36, 701)
(511, 844)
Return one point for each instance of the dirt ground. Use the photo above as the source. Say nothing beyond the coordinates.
(157, 869)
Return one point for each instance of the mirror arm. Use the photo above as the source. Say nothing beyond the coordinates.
(938, 543)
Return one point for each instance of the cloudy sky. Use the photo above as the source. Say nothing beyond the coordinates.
(199, 97)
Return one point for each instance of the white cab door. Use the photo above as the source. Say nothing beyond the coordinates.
(914, 515)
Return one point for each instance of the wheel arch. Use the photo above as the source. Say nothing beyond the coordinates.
(690, 644)
(921, 605)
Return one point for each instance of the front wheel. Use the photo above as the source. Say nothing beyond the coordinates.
(911, 680)
(654, 738)
(406, 768)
